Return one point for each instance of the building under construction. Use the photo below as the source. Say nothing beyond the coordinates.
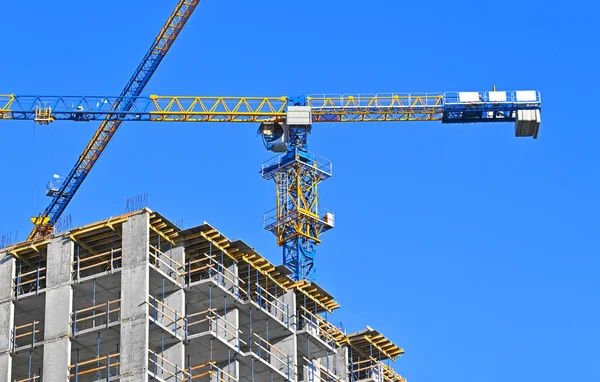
(136, 298)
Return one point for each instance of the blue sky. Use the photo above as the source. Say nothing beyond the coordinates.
(472, 249)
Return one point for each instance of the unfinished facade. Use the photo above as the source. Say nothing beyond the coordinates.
(135, 298)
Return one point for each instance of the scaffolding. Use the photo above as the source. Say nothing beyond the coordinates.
(235, 311)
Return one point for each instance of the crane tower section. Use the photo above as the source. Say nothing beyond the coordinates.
(298, 220)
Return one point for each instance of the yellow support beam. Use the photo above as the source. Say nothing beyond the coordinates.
(6, 101)
(218, 109)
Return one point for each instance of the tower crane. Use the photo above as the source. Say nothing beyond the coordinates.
(298, 220)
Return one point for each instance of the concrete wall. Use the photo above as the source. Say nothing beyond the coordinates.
(59, 305)
(134, 294)
(289, 344)
(7, 314)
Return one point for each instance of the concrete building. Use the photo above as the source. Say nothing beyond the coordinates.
(135, 298)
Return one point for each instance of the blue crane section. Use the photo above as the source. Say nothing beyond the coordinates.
(62, 195)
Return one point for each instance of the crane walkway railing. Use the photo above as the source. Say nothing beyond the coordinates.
(321, 166)
(96, 315)
(25, 334)
(104, 367)
(96, 263)
(277, 218)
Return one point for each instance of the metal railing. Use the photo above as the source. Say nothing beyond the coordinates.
(105, 367)
(32, 281)
(269, 303)
(26, 333)
(100, 262)
(270, 354)
(318, 163)
(29, 379)
(96, 315)
(366, 369)
(162, 260)
(318, 327)
(314, 372)
(210, 370)
(165, 315)
(376, 370)
(159, 366)
(210, 320)
(207, 267)
(351, 102)
(272, 219)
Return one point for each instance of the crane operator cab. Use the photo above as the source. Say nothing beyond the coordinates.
(280, 137)
(274, 135)
(54, 185)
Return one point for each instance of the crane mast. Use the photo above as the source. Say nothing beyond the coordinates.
(63, 193)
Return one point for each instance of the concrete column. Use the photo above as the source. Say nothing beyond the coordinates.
(176, 301)
(289, 298)
(178, 255)
(336, 363)
(176, 355)
(59, 305)
(232, 282)
(229, 331)
(229, 368)
(231, 326)
(289, 344)
(7, 314)
(135, 276)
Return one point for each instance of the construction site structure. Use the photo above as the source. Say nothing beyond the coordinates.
(135, 298)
